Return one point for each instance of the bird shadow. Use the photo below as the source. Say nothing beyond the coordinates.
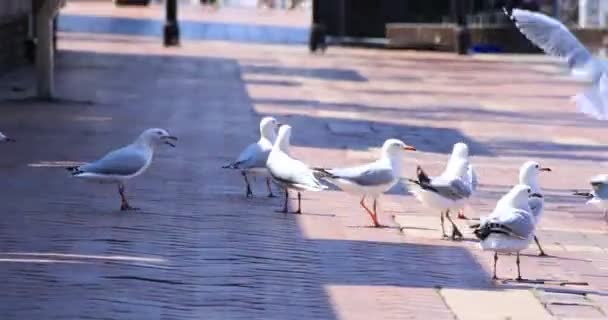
(380, 227)
(416, 228)
(557, 282)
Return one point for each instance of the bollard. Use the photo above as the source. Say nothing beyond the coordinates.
(171, 30)
(463, 39)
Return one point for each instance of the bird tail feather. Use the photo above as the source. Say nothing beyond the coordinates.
(232, 165)
(583, 194)
(483, 231)
(323, 173)
(74, 170)
(594, 101)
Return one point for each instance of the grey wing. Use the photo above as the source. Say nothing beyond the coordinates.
(289, 171)
(454, 189)
(552, 37)
(518, 221)
(252, 157)
(125, 161)
(365, 175)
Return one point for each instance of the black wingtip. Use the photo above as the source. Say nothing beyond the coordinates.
(233, 165)
(422, 176)
(582, 194)
(482, 232)
(74, 170)
(324, 173)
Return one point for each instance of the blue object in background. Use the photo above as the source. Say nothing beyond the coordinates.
(485, 48)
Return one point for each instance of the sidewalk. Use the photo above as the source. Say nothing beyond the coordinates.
(199, 249)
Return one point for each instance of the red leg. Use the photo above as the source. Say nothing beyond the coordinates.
(371, 214)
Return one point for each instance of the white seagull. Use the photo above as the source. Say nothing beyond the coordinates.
(528, 175)
(461, 151)
(598, 196)
(125, 163)
(556, 40)
(290, 173)
(252, 160)
(511, 226)
(449, 191)
(372, 179)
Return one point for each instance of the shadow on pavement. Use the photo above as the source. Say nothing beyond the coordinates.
(221, 254)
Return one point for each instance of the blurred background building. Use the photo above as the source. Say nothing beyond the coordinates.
(420, 24)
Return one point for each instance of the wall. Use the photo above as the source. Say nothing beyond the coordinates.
(13, 32)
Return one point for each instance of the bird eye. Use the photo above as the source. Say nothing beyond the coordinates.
(159, 132)
(536, 166)
(529, 190)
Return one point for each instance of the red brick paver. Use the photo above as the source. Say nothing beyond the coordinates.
(199, 249)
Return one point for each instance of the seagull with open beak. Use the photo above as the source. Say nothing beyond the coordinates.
(125, 163)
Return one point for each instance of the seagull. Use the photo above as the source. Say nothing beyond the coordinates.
(528, 175)
(448, 191)
(598, 196)
(290, 173)
(556, 40)
(372, 179)
(511, 226)
(4, 138)
(125, 163)
(252, 160)
(461, 151)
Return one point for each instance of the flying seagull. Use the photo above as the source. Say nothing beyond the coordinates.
(556, 40)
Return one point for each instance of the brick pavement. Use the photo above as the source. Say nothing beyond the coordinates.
(199, 249)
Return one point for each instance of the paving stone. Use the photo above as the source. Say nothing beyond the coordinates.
(502, 304)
